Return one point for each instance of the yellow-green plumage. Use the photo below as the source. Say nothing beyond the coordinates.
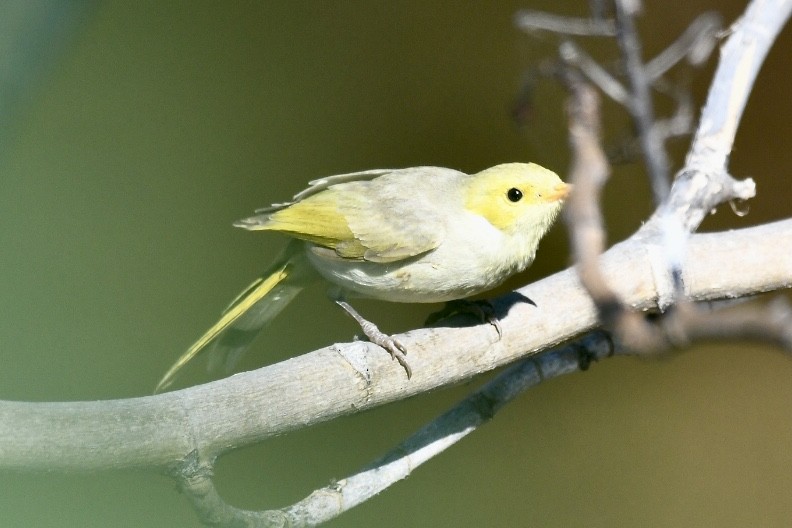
(316, 219)
(425, 234)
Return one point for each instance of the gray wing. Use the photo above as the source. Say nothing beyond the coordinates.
(391, 214)
(400, 214)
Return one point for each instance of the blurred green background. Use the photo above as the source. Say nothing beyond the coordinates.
(140, 130)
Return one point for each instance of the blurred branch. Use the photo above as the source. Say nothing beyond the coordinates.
(695, 45)
(574, 55)
(640, 104)
(588, 174)
(530, 20)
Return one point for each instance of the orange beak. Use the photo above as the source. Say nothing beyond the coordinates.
(559, 192)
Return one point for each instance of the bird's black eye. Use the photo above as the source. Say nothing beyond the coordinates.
(514, 194)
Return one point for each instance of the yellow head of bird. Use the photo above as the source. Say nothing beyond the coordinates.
(517, 197)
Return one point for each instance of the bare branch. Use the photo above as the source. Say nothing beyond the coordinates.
(695, 45)
(446, 430)
(574, 55)
(529, 20)
(770, 324)
(588, 174)
(211, 419)
(773, 325)
(704, 182)
(452, 426)
(641, 106)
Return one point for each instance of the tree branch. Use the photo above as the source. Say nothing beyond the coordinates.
(531, 20)
(435, 437)
(641, 106)
(704, 181)
(211, 419)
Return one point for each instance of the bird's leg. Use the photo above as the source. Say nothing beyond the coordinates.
(376, 336)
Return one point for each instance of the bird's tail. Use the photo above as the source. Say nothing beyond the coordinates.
(252, 309)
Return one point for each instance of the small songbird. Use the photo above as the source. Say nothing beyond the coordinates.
(417, 235)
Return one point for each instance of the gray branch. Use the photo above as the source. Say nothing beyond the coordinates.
(169, 430)
(641, 106)
(530, 20)
(704, 182)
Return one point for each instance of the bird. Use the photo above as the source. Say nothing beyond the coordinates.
(411, 235)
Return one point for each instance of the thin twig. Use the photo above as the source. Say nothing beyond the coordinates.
(588, 174)
(771, 324)
(695, 45)
(529, 20)
(681, 122)
(574, 55)
(583, 216)
(641, 106)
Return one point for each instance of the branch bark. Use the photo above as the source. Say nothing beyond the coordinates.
(704, 181)
(170, 429)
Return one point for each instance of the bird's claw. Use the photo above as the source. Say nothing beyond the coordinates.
(392, 345)
(486, 313)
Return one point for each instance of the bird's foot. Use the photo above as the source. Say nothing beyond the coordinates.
(392, 345)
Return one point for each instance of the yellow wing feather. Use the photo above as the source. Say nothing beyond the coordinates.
(316, 219)
(386, 219)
